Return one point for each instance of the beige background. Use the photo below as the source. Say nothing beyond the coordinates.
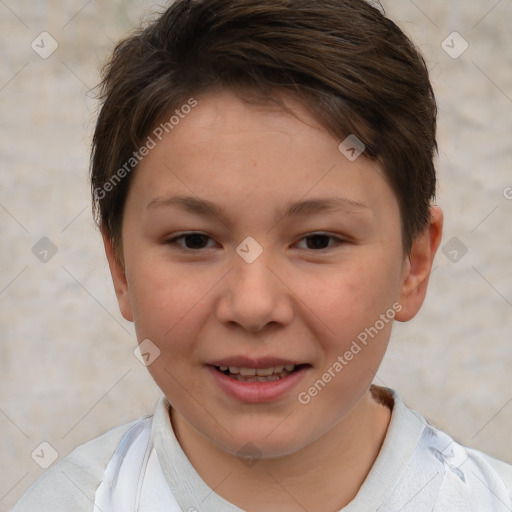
(67, 368)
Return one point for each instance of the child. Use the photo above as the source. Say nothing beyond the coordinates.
(263, 178)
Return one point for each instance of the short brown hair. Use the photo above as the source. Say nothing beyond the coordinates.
(349, 65)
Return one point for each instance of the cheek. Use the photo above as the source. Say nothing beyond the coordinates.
(166, 299)
(353, 314)
(170, 308)
(350, 298)
(354, 317)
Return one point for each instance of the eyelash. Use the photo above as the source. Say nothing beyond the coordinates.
(174, 241)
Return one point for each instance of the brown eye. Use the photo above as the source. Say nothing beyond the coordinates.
(319, 241)
(195, 241)
(192, 241)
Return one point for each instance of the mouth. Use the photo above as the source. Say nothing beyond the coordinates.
(257, 380)
(264, 374)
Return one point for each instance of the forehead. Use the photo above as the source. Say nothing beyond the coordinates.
(230, 112)
(227, 149)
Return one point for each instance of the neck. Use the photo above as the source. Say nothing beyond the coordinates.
(322, 476)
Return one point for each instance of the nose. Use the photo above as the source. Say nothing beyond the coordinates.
(253, 296)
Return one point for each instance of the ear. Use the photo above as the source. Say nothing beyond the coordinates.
(118, 278)
(418, 265)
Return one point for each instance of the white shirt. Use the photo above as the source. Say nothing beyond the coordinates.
(140, 467)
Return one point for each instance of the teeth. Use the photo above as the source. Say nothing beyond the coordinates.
(265, 372)
(256, 378)
(247, 371)
(273, 371)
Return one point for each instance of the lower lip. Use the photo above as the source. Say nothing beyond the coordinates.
(257, 392)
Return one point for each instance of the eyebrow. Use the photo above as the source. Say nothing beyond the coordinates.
(206, 208)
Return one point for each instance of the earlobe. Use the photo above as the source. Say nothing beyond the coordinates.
(418, 267)
(118, 274)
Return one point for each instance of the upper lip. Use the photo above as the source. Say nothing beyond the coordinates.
(249, 362)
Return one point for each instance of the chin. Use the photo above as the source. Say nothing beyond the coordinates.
(261, 442)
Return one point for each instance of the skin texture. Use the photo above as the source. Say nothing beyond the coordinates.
(203, 302)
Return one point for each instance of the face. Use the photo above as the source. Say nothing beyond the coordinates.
(255, 254)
